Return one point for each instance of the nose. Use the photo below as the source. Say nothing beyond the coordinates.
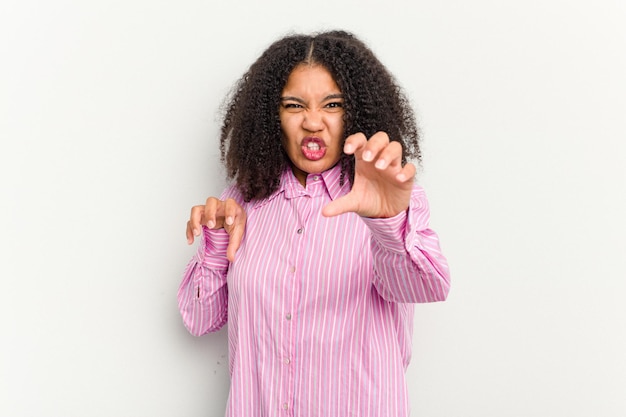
(312, 121)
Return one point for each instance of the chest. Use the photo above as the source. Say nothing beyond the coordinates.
(291, 250)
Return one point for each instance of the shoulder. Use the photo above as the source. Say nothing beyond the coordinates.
(233, 192)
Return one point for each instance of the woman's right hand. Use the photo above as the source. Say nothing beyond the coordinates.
(218, 214)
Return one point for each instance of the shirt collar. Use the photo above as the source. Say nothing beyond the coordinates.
(332, 180)
(292, 188)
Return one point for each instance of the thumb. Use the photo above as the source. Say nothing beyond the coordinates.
(341, 205)
(236, 236)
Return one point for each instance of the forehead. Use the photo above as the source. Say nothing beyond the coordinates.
(307, 78)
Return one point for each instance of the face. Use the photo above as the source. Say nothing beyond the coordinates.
(311, 118)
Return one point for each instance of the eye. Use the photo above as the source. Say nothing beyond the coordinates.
(334, 106)
(292, 106)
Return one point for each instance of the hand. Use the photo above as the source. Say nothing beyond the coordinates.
(218, 214)
(382, 186)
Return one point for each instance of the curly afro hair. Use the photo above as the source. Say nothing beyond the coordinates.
(251, 136)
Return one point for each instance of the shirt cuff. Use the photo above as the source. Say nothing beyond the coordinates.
(212, 251)
(390, 232)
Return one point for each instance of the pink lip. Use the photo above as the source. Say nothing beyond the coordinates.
(313, 154)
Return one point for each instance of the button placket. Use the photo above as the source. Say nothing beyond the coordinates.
(302, 210)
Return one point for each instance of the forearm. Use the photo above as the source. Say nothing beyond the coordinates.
(203, 295)
(408, 263)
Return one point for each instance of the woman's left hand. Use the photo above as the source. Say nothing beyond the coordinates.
(382, 186)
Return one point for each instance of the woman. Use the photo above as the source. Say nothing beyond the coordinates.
(317, 251)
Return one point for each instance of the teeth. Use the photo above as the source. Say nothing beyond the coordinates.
(313, 146)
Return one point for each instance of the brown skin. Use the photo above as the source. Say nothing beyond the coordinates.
(382, 188)
(312, 105)
(218, 214)
(252, 140)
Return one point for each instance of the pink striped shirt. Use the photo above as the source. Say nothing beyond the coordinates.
(319, 309)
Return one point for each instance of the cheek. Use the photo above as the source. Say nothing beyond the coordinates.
(288, 137)
(289, 125)
(336, 126)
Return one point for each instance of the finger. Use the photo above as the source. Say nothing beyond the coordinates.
(374, 146)
(389, 155)
(211, 212)
(236, 236)
(341, 205)
(231, 210)
(189, 233)
(407, 173)
(354, 143)
(235, 228)
(195, 220)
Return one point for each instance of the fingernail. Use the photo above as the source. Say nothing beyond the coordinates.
(348, 148)
(229, 220)
(401, 177)
(196, 232)
(380, 164)
(367, 156)
(210, 224)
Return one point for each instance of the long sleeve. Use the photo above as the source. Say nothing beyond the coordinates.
(310, 330)
(203, 295)
(409, 266)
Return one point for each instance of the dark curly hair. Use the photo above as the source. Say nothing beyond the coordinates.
(251, 137)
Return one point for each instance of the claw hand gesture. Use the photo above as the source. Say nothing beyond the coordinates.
(382, 186)
(218, 214)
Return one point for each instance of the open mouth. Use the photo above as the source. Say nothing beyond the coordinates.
(313, 148)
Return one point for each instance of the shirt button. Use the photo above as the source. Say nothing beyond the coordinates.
(288, 316)
(292, 269)
(300, 230)
(285, 406)
(316, 178)
(287, 361)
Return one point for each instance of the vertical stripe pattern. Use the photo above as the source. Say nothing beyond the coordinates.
(319, 310)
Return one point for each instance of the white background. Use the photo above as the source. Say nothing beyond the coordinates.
(108, 127)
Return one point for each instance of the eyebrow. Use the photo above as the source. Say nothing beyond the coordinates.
(299, 100)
